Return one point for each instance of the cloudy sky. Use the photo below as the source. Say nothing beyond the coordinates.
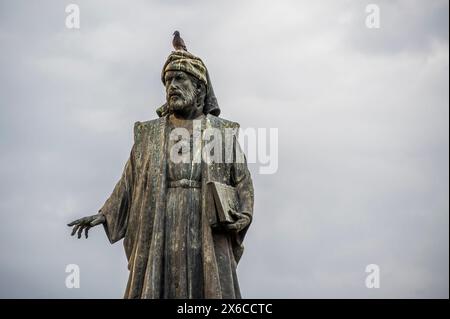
(362, 118)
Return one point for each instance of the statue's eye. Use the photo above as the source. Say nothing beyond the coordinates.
(168, 80)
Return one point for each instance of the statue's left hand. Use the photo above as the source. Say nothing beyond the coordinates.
(242, 221)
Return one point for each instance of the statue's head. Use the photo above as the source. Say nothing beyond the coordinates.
(185, 94)
(188, 87)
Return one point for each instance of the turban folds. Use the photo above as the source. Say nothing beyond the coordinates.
(184, 61)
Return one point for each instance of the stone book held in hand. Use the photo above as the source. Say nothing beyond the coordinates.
(226, 200)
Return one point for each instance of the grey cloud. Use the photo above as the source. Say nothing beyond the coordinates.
(363, 128)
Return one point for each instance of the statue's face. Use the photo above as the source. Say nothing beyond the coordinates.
(180, 91)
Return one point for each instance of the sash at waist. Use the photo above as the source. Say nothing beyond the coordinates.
(185, 183)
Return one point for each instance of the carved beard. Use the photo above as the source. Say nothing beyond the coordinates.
(183, 101)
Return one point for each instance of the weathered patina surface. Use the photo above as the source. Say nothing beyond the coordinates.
(163, 210)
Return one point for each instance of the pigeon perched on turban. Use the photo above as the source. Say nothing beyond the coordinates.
(178, 42)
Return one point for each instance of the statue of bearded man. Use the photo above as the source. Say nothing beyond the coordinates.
(163, 208)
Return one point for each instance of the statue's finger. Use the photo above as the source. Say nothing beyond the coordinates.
(80, 231)
(86, 231)
(232, 212)
(242, 224)
(75, 230)
(237, 214)
(232, 226)
(73, 223)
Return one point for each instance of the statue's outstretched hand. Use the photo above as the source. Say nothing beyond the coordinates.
(241, 221)
(86, 223)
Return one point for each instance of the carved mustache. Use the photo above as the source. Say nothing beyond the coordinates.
(175, 92)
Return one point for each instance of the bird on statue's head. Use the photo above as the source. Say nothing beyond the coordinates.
(178, 42)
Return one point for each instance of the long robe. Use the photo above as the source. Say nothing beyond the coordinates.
(183, 275)
(136, 212)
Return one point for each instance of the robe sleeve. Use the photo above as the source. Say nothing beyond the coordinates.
(241, 179)
(117, 206)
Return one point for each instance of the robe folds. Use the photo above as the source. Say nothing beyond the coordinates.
(136, 212)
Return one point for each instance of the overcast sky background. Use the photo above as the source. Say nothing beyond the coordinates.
(363, 144)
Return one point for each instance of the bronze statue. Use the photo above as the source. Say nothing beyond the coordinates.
(175, 243)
